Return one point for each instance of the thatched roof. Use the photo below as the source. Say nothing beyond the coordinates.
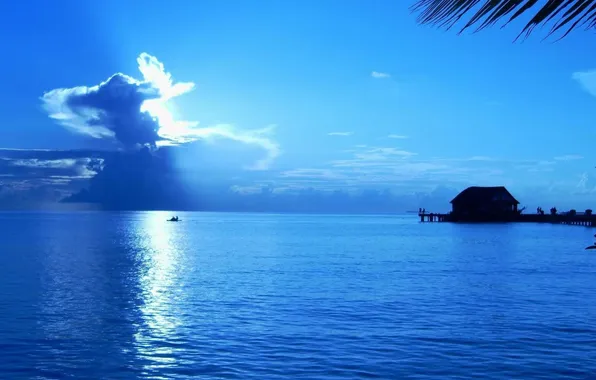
(477, 194)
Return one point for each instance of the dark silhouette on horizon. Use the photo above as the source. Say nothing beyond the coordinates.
(478, 204)
(484, 203)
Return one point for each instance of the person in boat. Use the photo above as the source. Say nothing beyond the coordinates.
(593, 246)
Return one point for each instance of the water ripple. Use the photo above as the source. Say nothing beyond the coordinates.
(228, 296)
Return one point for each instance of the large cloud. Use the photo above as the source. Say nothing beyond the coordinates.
(135, 112)
(131, 111)
(165, 161)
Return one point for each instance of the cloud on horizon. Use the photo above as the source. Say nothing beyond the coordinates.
(403, 171)
(148, 179)
(363, 179)
(50, 164)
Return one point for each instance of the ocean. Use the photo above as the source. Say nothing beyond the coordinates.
(90, 295)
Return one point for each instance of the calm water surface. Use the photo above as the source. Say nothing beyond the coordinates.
(248, 296)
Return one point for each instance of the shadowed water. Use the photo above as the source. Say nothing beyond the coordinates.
(249, 296)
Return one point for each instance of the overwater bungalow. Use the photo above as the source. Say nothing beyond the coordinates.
(484, 204)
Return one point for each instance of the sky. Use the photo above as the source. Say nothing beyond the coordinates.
(286, 106)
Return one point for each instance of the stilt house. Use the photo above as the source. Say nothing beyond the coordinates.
(484, 203)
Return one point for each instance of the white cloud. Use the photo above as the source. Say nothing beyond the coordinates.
(394, 136)
(55, 103)
(257, 137)
(64, 163)
(480, 158)
(380, 75)
(340, 133)
(371, 157)
(311, 173)
(71, 168)
(569, 157)
(583, 181)
(536, 166)
(254, 189)
(390, 167)
(381, 154)
(587, 79)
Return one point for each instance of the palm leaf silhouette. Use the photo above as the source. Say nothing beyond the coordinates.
(566, 15)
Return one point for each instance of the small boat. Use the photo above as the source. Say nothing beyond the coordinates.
(591, 247)
(174, 219)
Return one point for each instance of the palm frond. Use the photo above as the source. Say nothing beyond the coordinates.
(566, 14)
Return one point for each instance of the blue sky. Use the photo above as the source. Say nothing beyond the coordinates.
(330, 95)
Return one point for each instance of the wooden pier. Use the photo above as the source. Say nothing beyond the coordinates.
(569, 219)
(433, 217)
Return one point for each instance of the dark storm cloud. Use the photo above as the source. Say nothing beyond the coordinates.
(25, 194)
(116, 106)
(138, 180)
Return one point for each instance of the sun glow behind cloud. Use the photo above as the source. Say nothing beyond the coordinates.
(154, 73)
(179, 132)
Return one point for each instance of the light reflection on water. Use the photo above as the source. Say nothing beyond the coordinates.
(159, 276)
(129, 295)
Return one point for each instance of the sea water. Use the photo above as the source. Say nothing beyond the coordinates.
(255, 296)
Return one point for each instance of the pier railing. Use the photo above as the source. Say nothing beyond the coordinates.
(563, 218)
